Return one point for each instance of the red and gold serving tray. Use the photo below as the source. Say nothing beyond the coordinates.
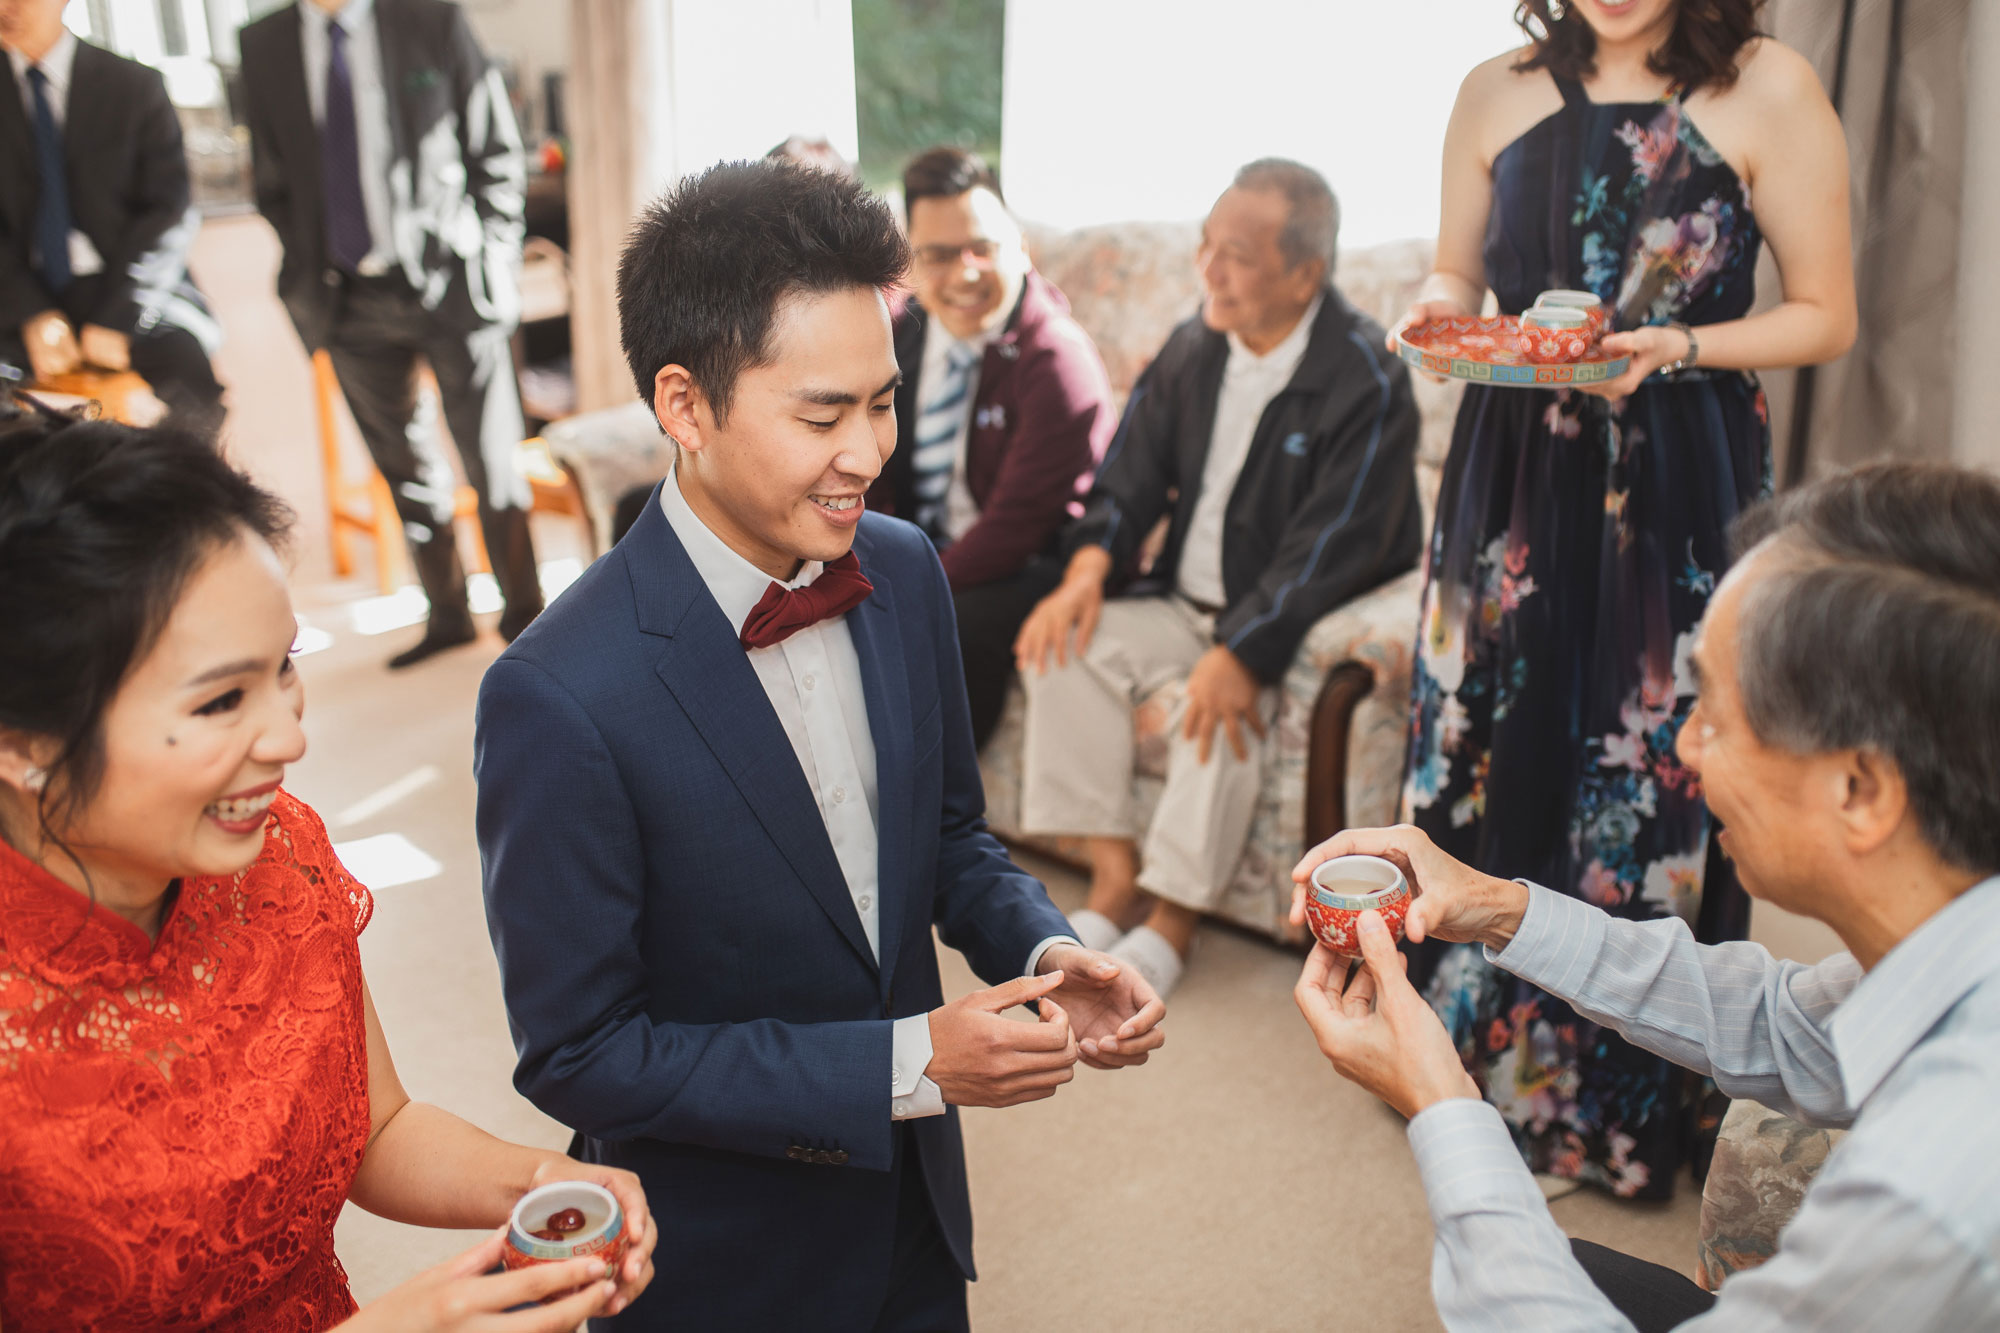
(1488, 351)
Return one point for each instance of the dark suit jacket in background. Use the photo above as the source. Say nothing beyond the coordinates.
(1040, 421)
(1325, 506)
(686, 975)
(461, 184)
(128, 192)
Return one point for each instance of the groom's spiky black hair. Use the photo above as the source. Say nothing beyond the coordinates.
(707, 265)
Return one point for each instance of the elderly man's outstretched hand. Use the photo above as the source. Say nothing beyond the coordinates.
(1453, 901)
(1378, 1031)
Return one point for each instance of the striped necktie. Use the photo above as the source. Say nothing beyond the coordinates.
(347, 237)
(52, 221)
(938, 428)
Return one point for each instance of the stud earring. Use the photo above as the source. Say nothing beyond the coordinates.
(1557, 11)
(34, 779)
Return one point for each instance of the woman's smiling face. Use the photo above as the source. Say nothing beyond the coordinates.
(198, 736)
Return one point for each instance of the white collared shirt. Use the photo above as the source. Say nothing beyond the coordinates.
(55, 67)
(374, 136)
(813, 679)
(1249, 383)
(960, 510)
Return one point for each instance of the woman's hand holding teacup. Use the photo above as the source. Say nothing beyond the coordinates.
(1453, 901)
(642, 1233)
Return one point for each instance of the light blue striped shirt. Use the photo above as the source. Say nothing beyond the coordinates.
(1901, 1230)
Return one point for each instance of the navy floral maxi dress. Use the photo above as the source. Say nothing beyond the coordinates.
(1576, 547)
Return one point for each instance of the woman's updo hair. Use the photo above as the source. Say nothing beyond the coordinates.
(101, 526)
(1702, 50)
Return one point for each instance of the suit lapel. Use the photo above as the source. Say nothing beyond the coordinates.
(292, 122)
(85, 128)
(396, 45)
(17, 154)
(705, 669)
(885, 686)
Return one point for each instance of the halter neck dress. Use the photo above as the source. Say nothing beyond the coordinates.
(1576, 546)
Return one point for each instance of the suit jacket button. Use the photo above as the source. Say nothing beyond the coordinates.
(838, 1157)
(331, 277)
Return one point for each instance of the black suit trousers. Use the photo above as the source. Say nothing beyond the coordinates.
(379, 332)
(989, 617)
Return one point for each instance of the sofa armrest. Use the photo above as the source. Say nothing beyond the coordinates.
(1326, 754)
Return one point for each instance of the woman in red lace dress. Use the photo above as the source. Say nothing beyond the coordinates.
(192, 1078)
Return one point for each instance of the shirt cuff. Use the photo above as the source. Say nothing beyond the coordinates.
(1035, 954)
(911, 1095)
(1557, 942)
(1469, 1162)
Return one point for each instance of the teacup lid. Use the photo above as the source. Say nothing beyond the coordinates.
(1555, 317)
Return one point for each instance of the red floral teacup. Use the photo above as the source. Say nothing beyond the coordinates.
(1552, 335)
(1345, 887)
(569, 1219)
(1564, 298)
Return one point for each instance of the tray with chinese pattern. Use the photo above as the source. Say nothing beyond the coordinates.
(1488, 351)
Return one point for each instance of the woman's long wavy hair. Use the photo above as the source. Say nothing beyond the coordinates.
(1708, 38)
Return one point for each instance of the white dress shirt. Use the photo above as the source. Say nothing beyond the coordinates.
(1900, 1231)
(374, 137)
(960, 511)
(55, 67)
(1249, 383)
(813, 679)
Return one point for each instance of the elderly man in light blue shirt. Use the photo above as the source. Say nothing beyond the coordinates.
(1848, 736)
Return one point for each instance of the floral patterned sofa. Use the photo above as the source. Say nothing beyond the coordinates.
(1341, 719)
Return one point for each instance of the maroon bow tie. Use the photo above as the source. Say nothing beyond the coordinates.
(783, 612)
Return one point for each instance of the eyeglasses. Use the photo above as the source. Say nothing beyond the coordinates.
(976, 254)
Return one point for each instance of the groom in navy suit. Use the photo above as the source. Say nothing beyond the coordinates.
(727, 787)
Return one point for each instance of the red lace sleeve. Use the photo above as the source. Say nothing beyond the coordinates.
(312, 849)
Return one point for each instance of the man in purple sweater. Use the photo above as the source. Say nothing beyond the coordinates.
(1003, 413)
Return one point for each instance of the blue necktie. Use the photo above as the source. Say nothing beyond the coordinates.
(52, 205)
(938, 427)
(347, 238)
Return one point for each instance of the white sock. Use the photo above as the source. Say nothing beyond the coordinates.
(1094, 930)
(1157, 960)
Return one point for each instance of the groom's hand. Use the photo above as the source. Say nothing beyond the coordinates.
(1115, 1014)
(979, 1058)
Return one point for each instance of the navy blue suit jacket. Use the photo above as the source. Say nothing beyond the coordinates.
(685, 973)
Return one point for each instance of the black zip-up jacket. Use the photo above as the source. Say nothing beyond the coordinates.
(1324, 509)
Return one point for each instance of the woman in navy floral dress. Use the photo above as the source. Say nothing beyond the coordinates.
(1579, 535)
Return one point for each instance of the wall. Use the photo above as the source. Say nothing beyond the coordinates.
(1976, 412)
(1122, 109)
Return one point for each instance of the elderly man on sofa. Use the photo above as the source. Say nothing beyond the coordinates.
(1849, 670)
(1280, 441)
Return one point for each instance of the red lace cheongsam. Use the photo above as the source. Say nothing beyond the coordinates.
(180, 1120)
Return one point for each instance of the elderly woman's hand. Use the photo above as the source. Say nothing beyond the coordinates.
(641, 1231)
(1452, 900)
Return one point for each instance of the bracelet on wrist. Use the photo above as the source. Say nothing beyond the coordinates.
(1688, 358)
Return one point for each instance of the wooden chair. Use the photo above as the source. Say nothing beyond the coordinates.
(369, 509)
(120, 395)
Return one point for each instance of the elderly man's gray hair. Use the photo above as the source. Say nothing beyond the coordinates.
(1312, 225)
(1878, 628)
